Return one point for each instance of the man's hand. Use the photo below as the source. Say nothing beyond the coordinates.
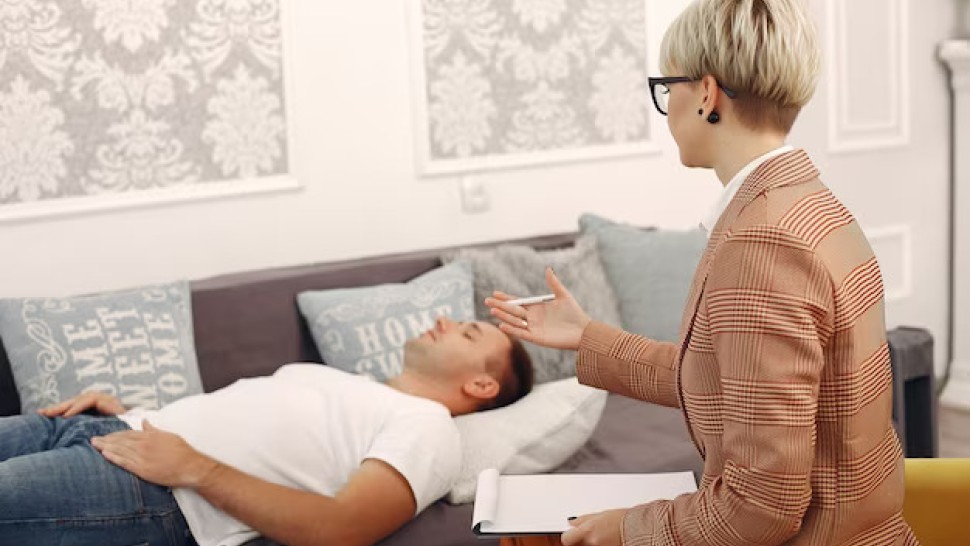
(103, 403)
(156, 456)
(600, 529)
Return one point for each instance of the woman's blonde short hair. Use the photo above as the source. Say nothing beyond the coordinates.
(764, 50)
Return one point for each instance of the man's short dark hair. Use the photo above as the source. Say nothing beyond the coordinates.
(515, 380)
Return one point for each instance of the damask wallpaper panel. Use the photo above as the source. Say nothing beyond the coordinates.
(501, 83)
(112, 98)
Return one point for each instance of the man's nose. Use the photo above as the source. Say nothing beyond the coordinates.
(442, 324)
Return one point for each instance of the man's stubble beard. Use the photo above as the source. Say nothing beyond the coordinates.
(415, 354)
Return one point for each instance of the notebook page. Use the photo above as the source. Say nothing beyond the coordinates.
(541, 503)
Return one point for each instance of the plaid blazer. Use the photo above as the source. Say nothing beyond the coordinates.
(782, 374)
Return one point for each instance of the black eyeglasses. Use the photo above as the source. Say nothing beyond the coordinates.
(660, 89)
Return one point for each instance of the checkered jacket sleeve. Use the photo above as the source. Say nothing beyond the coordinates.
(628, 364)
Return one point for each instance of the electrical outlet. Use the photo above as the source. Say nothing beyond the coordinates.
(474, 198)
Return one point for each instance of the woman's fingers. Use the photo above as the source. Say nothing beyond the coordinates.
(515, 331)
(575, 535)
(513, 310)
(512, 318)
(508, 318)
(557, 287)
(501, 296)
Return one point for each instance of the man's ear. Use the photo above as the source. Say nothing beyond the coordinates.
(481, 387)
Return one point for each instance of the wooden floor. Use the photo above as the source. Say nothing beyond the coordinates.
(954, 433)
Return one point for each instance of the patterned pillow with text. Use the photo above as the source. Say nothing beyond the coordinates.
(135, 344)
(363, 330)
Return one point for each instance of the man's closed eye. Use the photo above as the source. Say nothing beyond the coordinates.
(473, 332)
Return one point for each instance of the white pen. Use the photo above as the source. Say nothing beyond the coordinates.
(532, 300)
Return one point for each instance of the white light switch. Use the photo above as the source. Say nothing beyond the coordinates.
(474, 199)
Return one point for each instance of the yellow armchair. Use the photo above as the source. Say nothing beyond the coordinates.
(937, 503)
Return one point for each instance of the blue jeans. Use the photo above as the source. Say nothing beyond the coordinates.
(57, 490)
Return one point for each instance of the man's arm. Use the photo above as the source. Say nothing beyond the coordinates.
(375, 502)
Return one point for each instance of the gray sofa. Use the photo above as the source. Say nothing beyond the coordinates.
(247, 324)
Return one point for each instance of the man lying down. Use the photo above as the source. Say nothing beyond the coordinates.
(309, 455)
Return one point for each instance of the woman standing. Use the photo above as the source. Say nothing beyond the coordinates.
(782, 371)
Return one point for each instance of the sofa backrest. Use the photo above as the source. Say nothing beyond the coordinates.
(248, 324)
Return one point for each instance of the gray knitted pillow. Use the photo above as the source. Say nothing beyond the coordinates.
(651, 271)
(520, 270)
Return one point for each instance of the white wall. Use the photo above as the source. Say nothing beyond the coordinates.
(899, 193)
(354, 156)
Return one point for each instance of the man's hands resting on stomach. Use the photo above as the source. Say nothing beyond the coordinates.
(103, 403)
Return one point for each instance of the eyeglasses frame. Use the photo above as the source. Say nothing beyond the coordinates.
(667, 80)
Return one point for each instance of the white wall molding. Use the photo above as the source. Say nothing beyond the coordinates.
(893, 246)
(956, 55)
(957, 392)
(180, 193)
(845, 133)
(156, 197)
(429, 166)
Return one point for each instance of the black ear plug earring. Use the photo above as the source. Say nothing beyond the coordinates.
(700, 111)
(713, 118)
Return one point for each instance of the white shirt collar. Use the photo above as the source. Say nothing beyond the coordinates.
(709, 221)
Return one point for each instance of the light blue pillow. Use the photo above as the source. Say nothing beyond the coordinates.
(363, 330)
(136, 344)
(650, 271)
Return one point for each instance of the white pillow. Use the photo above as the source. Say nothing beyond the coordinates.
(535, 434)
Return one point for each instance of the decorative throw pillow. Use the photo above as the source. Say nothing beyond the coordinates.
(363, 330)
(135, 344)
(650, 270)
(535, 434)
(521, 270)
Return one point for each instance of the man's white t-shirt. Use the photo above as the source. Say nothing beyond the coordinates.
(308, 427)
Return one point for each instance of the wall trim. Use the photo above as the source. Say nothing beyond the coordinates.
(207, 191)
(220, 189)
(844, 134)
(956, 392)
(429, 167)
(903, 235)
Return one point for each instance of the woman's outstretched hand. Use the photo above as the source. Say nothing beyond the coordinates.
(559, 323)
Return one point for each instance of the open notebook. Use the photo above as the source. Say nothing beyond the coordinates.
(539, 504)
